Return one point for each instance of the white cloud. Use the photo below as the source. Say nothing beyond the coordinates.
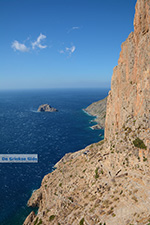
(19, 47)
(68, 50)
(73, 28)
(37, 43)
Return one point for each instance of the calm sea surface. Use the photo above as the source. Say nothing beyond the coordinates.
(50, 135)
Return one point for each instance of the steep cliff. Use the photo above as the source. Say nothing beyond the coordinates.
(129, 99)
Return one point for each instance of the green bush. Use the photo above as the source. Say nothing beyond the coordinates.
(60, 184)
(96, 173)
(52, 217)
(139, 143)
(121, 192)
(102, 172)
(144, 159)
(36, 221)
(82, 221)
(40, 222)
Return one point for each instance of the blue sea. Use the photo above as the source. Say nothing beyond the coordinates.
(50, 135)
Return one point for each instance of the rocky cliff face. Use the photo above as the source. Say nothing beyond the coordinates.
(129, 99)
(101, 184)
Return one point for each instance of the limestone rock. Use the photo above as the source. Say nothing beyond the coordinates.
(34, 201)
(129, 99)
(101, 183)
(96, 127)
(30, 218)
(46, 108)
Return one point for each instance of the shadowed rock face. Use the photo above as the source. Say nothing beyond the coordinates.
(129, 99)
(46, 108)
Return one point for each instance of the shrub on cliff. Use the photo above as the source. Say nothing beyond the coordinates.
(139, 143)
(82, 221)
(96, 173)
(36, 221)
(51, 218)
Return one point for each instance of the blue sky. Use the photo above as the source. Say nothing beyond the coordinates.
(61, 43)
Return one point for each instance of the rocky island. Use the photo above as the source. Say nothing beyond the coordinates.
(109, 182)
(46, 108)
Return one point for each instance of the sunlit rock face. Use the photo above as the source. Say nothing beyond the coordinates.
(129, 99)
